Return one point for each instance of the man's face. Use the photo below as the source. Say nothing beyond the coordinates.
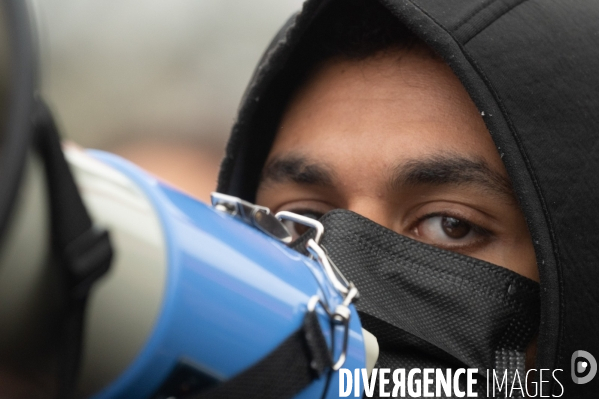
(397, 139)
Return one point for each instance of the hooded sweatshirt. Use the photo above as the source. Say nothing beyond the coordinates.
(530, 66)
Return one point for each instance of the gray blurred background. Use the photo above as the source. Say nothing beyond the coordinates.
(156, 81)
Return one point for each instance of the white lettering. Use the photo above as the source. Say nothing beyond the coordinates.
(541, 381)
(532, 383)
(383, 382)
(357, 392)
(560, 384)
(426, 383)
(369, 385)
(430, 382)
(456, 384)
(443, 381)
(412, 383)
(516, 377)
(471, 381)
(399, 383)
(345, 389)
(496, 382)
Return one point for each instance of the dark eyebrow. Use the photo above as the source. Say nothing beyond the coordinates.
(436, 170)
(444, 169)
(297, 169)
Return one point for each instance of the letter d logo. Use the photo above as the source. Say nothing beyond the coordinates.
(583, 362)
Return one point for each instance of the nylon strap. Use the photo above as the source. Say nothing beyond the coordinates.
(81, 250)
(284, 372)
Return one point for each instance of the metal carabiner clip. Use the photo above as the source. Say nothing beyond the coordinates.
(316, 251)
(341, 316)
(261, 218)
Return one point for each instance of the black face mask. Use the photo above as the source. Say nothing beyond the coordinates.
(428, 307)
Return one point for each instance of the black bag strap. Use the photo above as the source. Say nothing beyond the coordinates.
(82, 250)
(284, 372)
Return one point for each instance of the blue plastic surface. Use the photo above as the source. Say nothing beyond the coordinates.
(233, 294)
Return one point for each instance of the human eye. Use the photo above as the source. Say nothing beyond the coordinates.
(450, 232)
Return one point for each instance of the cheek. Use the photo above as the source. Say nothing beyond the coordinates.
(515, 255)
(526, 261)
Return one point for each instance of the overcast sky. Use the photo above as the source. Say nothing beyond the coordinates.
(119, 69)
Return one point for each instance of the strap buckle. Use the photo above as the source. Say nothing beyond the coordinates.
(87, 258)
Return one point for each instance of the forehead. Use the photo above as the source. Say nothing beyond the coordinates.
(387, 109)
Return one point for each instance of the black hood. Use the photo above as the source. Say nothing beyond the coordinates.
(531, 68)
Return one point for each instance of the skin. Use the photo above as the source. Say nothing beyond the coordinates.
(396, 138)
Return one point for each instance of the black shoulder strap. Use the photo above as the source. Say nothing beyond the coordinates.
(283, 373)
(82, 250)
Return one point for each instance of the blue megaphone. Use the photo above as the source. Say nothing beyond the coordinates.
(184, 299)
(201, 297)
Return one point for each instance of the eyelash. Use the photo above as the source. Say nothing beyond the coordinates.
(482, 233)
(475, 227)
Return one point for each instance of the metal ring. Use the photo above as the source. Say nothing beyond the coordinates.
(341, 360)
(316, 251)
(341, 316)
(351, 295)
(306, 221)
(314, 300)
